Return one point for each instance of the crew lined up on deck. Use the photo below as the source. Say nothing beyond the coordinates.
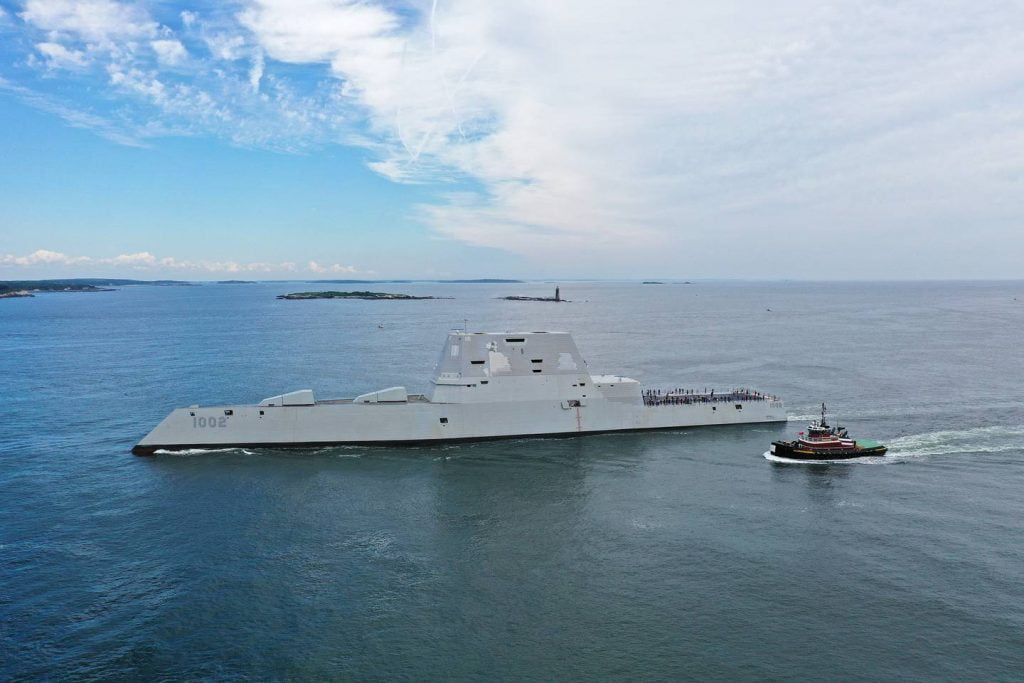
(679, 396)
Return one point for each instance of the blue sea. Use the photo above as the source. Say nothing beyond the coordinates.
(660, 556)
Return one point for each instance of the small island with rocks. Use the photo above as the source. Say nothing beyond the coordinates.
(371, 296)
(556, 298)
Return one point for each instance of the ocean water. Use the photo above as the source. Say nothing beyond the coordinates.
(662, 556)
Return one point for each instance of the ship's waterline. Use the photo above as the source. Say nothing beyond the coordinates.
(487, 385)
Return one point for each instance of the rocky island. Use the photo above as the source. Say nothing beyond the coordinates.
(556, 298)
(372, 296)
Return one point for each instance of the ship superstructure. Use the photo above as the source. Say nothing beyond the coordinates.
(487, 385)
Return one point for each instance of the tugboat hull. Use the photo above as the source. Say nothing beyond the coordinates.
(794, 450)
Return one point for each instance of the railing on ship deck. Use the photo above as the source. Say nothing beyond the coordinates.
(657, 397)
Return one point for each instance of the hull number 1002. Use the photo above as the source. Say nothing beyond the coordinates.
(207, 422)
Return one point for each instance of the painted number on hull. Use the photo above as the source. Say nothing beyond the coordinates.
(206, 422)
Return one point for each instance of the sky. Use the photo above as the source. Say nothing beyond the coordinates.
(269, 139)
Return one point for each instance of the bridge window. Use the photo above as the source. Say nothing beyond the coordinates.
(444, 420)
(739, 406)
(477, 362)
(537, 360)
(537, 370)
(515, 340)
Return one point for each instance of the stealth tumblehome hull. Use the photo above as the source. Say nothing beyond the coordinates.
(487, 386)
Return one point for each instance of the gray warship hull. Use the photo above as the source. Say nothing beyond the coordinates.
(487, 386)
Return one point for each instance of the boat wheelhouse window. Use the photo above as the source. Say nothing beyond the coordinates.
(739, 406)
(537, 370)
(477, 362)
(537, 360)
(714, 407)
(583, 384)
(573, 403)
(444, 420)
(261, 413)
(515, 340)
(228, 411)
(484, 381)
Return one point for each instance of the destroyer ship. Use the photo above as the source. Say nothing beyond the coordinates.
(487, 385)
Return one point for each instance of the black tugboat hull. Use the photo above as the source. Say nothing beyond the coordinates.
(793, 451)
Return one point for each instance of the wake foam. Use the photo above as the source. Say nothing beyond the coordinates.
(199, 451)
(992, 439)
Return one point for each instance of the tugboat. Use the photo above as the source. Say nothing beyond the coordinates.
(824, 442)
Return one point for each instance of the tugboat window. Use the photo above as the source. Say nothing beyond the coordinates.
(444, 420)
(477, 362)
(537, 370)
(739, 406)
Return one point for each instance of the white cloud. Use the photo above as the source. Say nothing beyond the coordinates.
(143, 258)
(315, 267)
(42, 257)
(146, 261)
(169, 52)
(256, 71)
(90, 20)
(225, 46)
(58, 56)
